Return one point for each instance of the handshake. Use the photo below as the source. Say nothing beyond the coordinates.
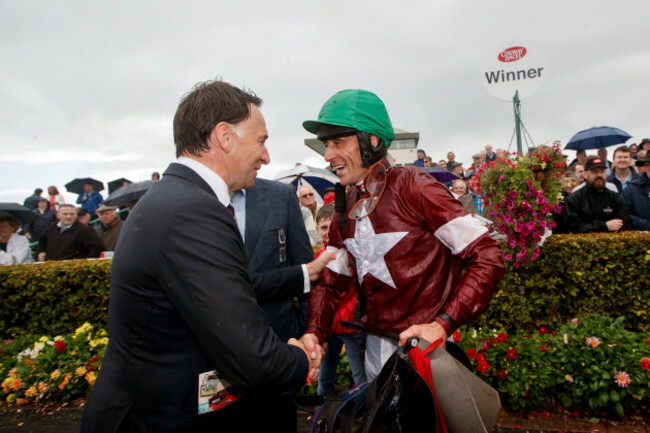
(314, 351)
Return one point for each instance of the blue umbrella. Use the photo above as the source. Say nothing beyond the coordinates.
(305, 175)
(597, 137)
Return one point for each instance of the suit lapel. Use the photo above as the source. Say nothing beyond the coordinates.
(257, 208)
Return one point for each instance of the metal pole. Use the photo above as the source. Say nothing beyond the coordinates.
(515, 101)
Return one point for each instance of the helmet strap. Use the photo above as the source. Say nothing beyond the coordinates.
(370, 154)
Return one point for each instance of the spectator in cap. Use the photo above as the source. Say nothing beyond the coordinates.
(637, 196)
(35, 229)
(32, 201)
(580, 171)
(595, 208)
(477, 162)
(420, 161)
(456, 168)
(109, 226)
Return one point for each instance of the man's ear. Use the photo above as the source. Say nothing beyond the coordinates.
(221, 137)
(374, 140)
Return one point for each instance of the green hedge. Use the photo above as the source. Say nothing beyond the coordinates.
(53, 297)
(599, 273)
(602, 273)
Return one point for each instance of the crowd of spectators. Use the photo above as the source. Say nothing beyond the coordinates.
(616, 197)
(599, 195)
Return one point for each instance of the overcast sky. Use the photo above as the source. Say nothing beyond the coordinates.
(90, 88)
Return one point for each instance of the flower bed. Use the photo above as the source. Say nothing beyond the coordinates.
(590, 362)
(60, 369)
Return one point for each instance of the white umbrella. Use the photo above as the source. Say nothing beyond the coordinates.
(304, 175)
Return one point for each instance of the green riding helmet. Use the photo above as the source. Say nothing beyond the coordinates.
(349, 111)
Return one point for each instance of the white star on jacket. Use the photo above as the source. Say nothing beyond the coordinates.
(369, 249)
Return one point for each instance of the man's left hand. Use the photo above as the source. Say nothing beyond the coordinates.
(429, 331)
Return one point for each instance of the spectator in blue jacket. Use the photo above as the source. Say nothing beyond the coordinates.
(637, 196)
(90, 200)
(420, 161)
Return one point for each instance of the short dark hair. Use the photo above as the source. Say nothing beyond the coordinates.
(38, 191)
(199, 111)
(325, 212)
(622, 148)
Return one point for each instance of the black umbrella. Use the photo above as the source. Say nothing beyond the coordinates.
(116, 184)
(76, 186)
(440, 174)
(129, 193)
(18, 211)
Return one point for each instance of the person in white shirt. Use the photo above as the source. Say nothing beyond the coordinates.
(14, 248)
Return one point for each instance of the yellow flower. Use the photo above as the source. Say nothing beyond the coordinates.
(11, 398)
(58, 338)
(90, 377)
(83, 328)
(103, 333)
(31, 392)
(80, 371)
(43, 339)
(55, 374)
(98, 342)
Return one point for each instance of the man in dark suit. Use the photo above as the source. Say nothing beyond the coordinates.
(280, 261)
(277, 245)
(181, 301)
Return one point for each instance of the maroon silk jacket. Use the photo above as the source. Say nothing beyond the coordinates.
(409, 254)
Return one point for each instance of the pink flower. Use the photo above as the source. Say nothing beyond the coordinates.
(536, 252)
(500, 178)
(575, 323)
(593, 342)
(622, 379)
(513, 194)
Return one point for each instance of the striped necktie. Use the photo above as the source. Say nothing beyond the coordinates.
(230, 208)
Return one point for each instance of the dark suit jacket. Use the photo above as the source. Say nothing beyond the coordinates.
(181, 303)
(272, 206)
